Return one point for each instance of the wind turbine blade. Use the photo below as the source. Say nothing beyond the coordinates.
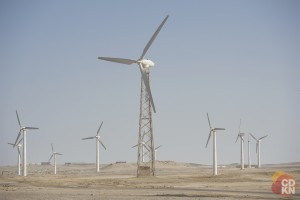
(147, 85)
(31, 128)
(263, 137)
(240, 125)
(134, 146)
(158, 147)
(99, 128)
(59, 154)
(102, 144)
(18, 119)
(219, 129)
(118, 60)
(52, 147)
(87, 138)
(254, 137)
(50, 158)
(208, 139)
(17, 138)
(237, 138)
(153, 37)
(208, 121)
(20, 141)
(11, 144)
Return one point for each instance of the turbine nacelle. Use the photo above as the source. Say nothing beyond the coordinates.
(146, 64)
(212, 130)
(241, 134)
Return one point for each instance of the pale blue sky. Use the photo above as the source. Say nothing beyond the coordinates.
(233, 59)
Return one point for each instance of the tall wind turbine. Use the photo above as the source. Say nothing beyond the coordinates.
(54, 157)
(19, 155)
(213, 131)
(146, 103)
(241, 135)
(97, 137)
(258, 141)
(23, 130)
(249, 156)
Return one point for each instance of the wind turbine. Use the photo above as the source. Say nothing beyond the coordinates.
(213, 131)
(23, 130)
(146, 101)
(97, 137)
(156, 150)
(143, 150)
(258, 141)
(249, 157)
(241, 135)
(19, 155)
(54, 157)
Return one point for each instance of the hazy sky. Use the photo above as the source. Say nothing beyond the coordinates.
(233, 59)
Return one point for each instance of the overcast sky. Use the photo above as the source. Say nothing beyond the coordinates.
(232, 59)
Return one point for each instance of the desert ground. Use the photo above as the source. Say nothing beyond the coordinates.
(173, 180)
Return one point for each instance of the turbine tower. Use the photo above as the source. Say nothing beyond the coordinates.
(23, 131)
(54, 157)
(213, 131)
(19, 155)
(258, 141)
(145, 134)
(97, 137)
(249, 156)
(241, 135)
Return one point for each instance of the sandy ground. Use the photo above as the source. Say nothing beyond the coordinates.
(118, 181)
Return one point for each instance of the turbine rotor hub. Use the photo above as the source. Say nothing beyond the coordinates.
(146, 64)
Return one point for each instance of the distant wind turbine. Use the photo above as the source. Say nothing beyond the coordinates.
(54, 157)
(241, 135)
(249, 156)
(19, 155)
(258, 141)
(97, 137)
(23, 130)
(213, 131)
(144, 146)
(156, 151)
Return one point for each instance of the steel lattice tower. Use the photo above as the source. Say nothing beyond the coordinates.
(146, 154)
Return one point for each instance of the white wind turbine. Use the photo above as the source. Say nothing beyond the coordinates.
(97, 137)
(54, 157)
(213, 131)
(249, 156)
(144, 146)
(258, 148)
(19, 155)
(156, 151)
(23, 130)
(241, 135)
